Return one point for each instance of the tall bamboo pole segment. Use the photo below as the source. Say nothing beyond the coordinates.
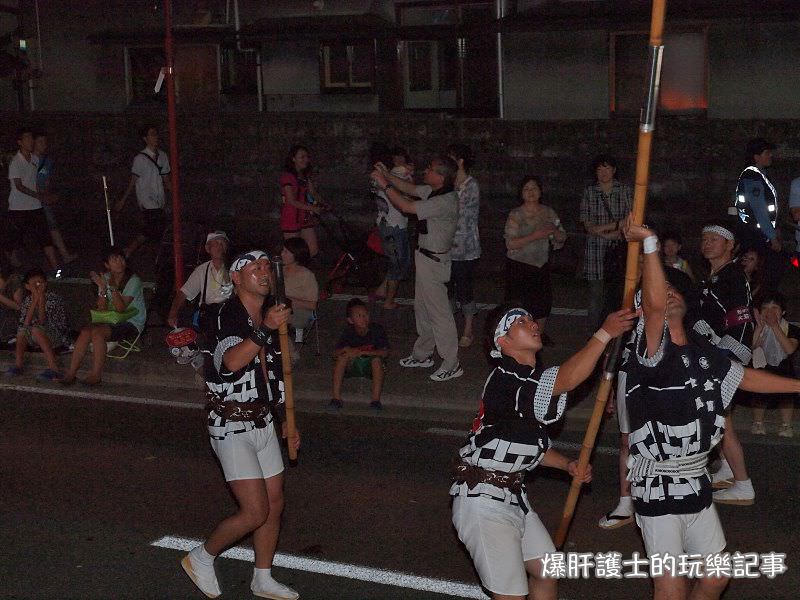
(646, 128)
(286, 360)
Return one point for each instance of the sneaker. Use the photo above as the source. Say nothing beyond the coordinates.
(49, 375)
(442, 375)
(741, 493)
(203, 576)
(14, 372)
(723, 478)
(411, 362)
(376, 405)
(757, 428)
(786, 430)
(621, 515)
(465, 341)
(335, 404)
(267, 587)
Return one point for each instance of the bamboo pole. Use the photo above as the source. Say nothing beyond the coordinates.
(286, 362)
(646, 127)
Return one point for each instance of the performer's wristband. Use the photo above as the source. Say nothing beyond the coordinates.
(650, 244)
(261, 335)
(602, 336)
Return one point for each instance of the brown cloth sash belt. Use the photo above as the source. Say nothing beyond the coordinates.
(472, 476)
(238, 411)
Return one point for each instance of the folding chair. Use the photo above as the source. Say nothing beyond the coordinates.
(124, 347)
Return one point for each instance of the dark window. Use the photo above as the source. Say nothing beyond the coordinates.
(238, 70)
(144, 65)
(347, 66)
(684, 87)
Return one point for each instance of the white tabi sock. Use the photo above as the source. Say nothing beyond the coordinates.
(265, 586)
(625, 507)
(201, 556)
(724, 471)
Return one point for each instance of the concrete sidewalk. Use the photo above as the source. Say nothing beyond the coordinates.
(153, 377)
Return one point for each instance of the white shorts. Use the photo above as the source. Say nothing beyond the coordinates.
(696, 533)
(500, 538)
(253, 454)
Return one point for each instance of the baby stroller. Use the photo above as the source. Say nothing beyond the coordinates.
(361, 263)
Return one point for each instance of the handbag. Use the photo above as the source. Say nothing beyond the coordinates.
(113, 317)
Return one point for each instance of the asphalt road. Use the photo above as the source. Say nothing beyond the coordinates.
(87, 486)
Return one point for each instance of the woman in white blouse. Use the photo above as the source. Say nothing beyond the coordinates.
(530, 230)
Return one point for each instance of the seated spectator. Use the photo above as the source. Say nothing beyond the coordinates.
(301, 286)
(210, 282)
(775, 340)
(117, 290)
(10, 291)
(42, 323)
(671, 244)
(360, 352)
(752, 264)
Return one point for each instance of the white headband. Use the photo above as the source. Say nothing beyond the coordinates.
(241, 261)
(720, 231)
(504, 325)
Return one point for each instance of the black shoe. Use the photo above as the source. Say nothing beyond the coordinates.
(376, 405)
(335, 404)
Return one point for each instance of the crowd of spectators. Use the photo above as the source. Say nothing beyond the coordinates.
(447, 251)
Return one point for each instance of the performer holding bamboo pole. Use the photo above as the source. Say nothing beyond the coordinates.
(286, 357)
(646, 127)
(244, 381)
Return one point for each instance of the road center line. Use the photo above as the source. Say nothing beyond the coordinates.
(337, 569)
(559, 445)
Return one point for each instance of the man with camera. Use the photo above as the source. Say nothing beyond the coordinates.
(437, 212)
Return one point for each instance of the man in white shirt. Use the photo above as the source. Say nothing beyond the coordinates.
(210, 281)
(794, 213)
(24, 200)
(149, 177)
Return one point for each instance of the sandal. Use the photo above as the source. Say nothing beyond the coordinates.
(610, 521)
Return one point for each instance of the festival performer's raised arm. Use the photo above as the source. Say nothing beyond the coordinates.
(580, 365)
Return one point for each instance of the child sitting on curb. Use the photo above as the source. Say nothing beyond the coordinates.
(360, 352)
(42, 323)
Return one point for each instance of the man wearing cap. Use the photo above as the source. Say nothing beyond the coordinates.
(724, 319)
(246, 397)
(437, 212)
(756, 205)
(676, 395)
(491, 510)
(209, 282)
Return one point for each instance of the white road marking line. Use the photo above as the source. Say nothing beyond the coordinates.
(559, 445)
(569, 312)
(337, 569)
(98, 396)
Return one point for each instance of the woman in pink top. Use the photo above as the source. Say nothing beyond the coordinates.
(301, 202)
